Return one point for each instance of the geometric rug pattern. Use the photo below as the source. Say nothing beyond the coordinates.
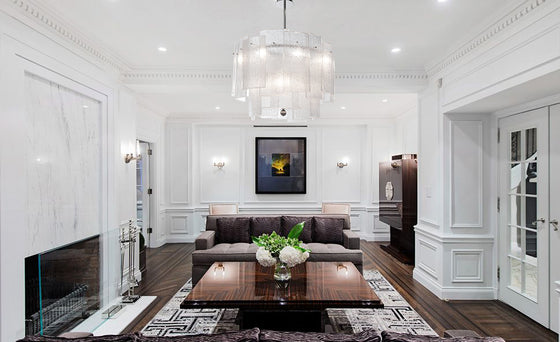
(397, 315)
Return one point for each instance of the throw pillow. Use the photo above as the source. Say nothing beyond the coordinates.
(266, 225)
(389, 336)
(328, 230)
(289, 221)
(233, 229)
(368, 335)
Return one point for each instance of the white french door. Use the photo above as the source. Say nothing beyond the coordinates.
(524, 250)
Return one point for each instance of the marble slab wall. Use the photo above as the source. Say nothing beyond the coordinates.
(63, 169)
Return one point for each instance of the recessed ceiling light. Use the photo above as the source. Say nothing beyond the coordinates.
(162, 49)
(441, 0)
(384, 100)
(343, 108)
(85, 106)
(218, 107)
(396, 50)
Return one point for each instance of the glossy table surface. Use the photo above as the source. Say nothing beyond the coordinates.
(314, 286)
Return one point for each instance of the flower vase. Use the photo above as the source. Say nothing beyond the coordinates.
(282, 274)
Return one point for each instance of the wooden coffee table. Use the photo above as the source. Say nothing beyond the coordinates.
(314, 287)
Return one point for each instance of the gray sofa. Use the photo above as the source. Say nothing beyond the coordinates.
(228, 238)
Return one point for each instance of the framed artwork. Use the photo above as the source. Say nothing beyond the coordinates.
(280, 165)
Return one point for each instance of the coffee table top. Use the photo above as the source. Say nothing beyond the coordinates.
(314, 286)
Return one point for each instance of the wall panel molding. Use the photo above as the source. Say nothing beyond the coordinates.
(427, 255)
(467, 265)
(466, 157)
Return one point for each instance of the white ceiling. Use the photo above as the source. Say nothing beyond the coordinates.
(200, 34)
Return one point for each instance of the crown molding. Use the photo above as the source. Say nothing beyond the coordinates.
(166, 75)
(63, 30)
(505, 23)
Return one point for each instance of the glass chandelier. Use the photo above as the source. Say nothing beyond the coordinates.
(283, 74)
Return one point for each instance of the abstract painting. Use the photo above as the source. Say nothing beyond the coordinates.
(280, 165)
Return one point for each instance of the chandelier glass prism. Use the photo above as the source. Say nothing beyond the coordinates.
(283, 74)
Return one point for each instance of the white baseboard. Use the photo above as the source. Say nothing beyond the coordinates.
(180, 239)
(451, 292)
(377, 237)
(427, 281)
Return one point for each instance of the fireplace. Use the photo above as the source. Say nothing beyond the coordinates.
(62, 287)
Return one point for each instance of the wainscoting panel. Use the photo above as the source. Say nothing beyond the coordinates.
(178, 163)
(467, 265)
(342, 144)
(427, 256)
(219, 144)
(466, 157)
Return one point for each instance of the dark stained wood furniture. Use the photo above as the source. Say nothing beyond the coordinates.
(314, 287)
(398, 204)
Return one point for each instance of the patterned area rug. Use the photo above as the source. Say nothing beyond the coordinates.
(397, 315)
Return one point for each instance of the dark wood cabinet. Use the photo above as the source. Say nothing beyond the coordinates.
(398, 204)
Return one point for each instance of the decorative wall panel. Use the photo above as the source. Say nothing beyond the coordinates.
(64, 166)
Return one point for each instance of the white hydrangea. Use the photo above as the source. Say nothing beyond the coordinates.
(265, 258)
(291, 256)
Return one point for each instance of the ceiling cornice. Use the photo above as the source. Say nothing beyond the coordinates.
(501, 25)
(57, 26)
(134, 76)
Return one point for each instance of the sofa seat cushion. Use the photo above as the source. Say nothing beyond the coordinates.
(266, 225)
(333, 252)
(389, 336)
(288, 222)
(368, 335)
(240, 251)
(233, 229)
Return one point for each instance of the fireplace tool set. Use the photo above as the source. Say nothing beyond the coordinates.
(128, 239)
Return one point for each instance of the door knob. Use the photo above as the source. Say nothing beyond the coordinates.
(541, 220)
(555, 224)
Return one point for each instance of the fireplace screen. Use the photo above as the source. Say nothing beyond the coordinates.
(62, 287)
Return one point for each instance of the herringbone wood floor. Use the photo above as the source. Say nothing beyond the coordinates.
(169, 267)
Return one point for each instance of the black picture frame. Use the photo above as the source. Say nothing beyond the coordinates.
(280, 165)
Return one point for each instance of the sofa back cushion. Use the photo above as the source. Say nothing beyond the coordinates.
(288, 222)
(328, 230)
(266, 225)
(233, 229)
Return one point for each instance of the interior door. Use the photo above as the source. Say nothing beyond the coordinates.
(524, 213)
(554, 213)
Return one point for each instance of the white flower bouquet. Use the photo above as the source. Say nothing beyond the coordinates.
(274, 248)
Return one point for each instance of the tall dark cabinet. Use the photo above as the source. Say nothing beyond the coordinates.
(398, 204)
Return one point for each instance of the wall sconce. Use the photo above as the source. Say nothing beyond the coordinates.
(219, 164)
(342, 164)
(130, 157)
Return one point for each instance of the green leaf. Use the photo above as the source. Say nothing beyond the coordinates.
(296, 230)
(256, 241)
(301, 249)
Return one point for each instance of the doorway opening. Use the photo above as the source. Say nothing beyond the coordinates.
(143, 192)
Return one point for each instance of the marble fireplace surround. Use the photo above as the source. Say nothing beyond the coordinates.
(55, 174)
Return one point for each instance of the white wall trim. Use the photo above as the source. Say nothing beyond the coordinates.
(477, 223)
(456, 269)
(455, 293)
(505, 23)
(456, 238)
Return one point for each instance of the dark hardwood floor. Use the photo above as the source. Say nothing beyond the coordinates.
(169, 267)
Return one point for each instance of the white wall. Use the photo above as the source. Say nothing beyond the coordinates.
(456, 232)
(192, 182)
(37, 51)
